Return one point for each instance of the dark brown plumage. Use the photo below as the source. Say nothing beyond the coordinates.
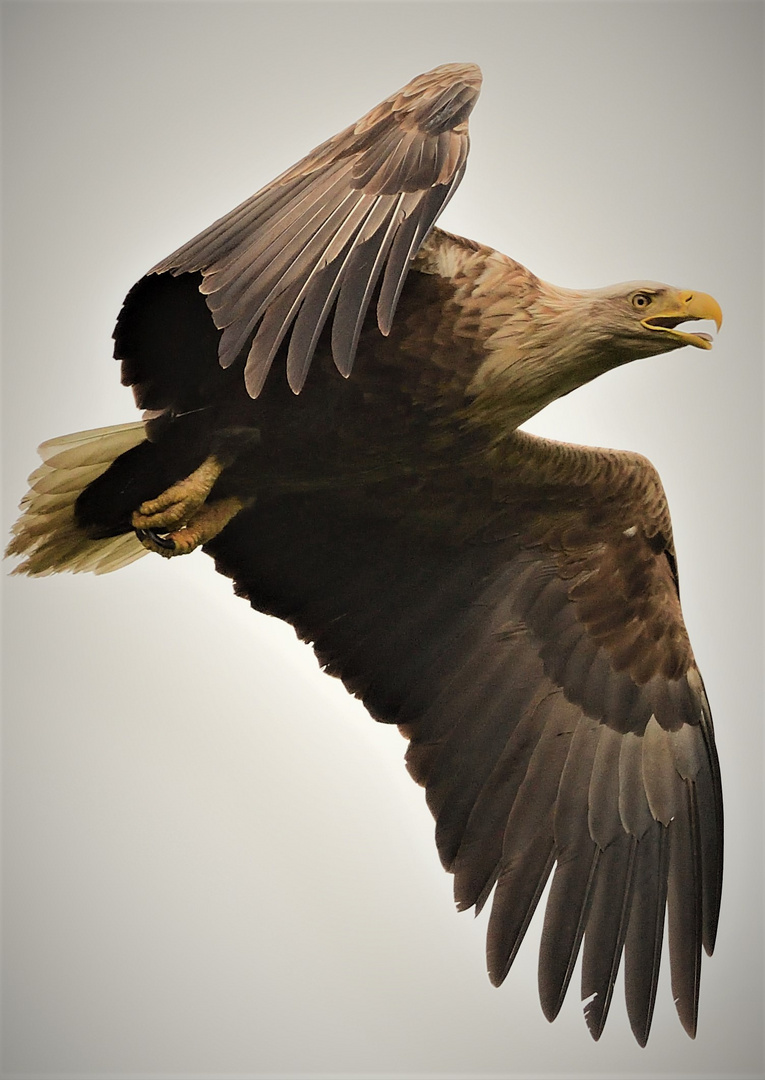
(511, 603)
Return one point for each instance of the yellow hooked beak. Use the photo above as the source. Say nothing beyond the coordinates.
(672, 308)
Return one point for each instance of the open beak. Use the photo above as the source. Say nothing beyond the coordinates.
(681, 307)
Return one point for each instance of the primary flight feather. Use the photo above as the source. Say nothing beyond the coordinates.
(334, 391)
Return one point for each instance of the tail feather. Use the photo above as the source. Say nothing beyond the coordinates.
(47, 533)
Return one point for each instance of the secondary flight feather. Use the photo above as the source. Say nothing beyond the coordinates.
(334, 389)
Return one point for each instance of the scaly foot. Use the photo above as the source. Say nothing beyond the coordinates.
(178, 504)
(180, 519)
(201, 527)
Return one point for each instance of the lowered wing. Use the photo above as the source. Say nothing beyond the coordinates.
(539, 665)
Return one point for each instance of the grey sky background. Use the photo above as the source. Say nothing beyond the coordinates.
(214, 862)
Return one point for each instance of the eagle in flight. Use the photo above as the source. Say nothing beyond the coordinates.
(333, 393)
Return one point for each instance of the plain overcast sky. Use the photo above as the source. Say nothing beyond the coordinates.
(214, 862)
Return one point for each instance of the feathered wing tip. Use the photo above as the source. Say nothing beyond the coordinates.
(350, 214)
(47, 533)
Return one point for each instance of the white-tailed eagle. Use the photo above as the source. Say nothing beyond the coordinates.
(334, 390)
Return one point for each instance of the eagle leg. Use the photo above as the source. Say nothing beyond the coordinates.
(211, 519)
(180, 518)
(178, 503)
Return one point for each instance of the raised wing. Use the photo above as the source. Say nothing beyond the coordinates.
(323, 234)
(530, 645)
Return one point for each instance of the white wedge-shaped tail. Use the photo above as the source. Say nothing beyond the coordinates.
(47, 534)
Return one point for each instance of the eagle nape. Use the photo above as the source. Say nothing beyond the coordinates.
(334, 390)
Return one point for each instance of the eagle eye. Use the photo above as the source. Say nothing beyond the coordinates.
(641, 300)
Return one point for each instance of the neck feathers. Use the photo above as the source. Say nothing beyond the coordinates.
(539, 342)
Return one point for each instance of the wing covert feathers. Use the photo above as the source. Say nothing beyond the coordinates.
(349, 216)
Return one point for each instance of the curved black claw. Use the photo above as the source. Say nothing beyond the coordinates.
(155, 537)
